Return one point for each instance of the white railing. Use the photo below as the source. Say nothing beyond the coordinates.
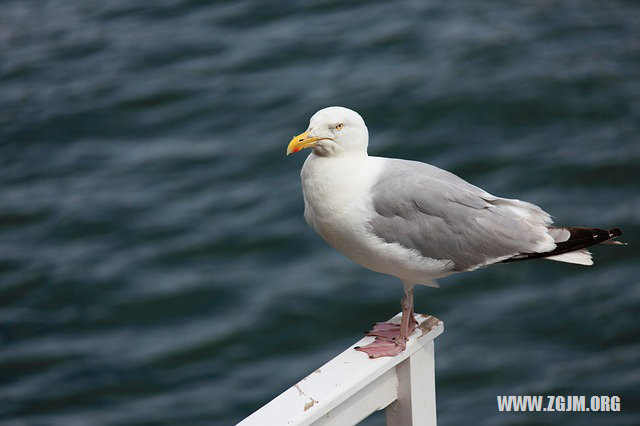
(351, 386)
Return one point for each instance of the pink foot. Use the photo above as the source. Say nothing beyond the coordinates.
(388, 341)
(387, 330)
(391, 338)
(382, 347)
(390, 330)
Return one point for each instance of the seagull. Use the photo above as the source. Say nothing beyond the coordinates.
(416, 222)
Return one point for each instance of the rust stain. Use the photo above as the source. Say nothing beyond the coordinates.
(428, 325)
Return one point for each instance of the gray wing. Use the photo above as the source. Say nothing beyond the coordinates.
(444, 217)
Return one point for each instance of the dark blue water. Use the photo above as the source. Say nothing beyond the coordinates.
(155, 267)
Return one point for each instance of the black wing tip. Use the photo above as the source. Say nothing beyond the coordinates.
(615, 232)
(580, 239)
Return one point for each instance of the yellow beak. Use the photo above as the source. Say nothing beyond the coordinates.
(300, 142)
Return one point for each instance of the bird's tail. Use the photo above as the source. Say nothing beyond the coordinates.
(571, 243)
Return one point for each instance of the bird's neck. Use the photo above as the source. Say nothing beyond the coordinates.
(330, 182)
(326, 167)
(332, 151)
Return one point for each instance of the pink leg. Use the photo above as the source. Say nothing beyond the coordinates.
(391, 339)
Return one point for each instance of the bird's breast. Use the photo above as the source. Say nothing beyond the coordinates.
(338, 202)
(329, 190)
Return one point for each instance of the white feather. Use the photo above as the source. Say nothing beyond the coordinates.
(579, 257)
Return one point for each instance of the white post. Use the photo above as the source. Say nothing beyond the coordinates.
(351, 386)
(416, 403)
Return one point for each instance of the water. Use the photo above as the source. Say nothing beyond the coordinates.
(155, 267)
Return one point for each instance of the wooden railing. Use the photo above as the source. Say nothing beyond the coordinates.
(351, 386)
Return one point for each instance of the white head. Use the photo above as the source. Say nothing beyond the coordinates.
(333, 131)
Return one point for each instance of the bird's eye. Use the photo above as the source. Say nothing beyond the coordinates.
(339, 126)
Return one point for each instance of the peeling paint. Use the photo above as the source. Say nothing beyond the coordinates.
(429, 324)
(311, 400)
